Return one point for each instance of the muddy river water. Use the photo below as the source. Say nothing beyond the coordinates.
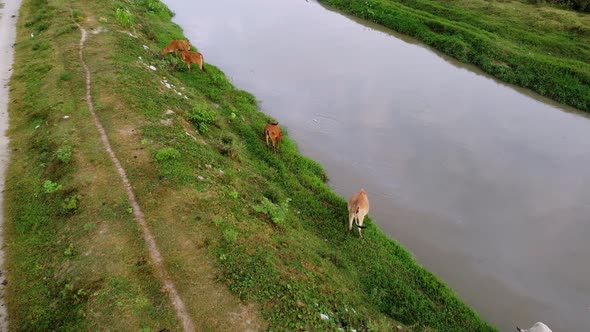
(488, 185)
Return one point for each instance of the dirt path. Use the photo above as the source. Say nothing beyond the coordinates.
(155, 255)
(8, 17)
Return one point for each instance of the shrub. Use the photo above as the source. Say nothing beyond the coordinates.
(124, 17)
(167, 154)
(65, 76)
(50, 187)
(78, 16)
(201, 116)
(230, 235)
(40, 46)
(71, 203)
(70, 251)
(230, 147)
(277, 213)
(157, 7)
(64, 154)
(579, 5)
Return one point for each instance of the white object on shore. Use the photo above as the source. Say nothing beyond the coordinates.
(538, 327)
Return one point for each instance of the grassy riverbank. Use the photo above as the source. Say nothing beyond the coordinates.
(251, 239)
(539, 47)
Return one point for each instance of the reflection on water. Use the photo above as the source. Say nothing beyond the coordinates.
(487, 185)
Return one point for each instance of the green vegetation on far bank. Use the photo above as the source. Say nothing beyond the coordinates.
(580, 5)
(543, 48)
(251, 239)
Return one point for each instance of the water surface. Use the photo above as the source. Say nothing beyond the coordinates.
(488, 185)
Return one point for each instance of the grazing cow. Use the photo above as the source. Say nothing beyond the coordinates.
(358, 207)
(273, 132)
(538, 327)
(189, 57)
(175, 46)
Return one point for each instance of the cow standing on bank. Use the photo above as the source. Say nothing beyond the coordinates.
(272, 131)
(358, 208)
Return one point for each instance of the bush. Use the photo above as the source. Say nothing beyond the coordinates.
(70, 251)
(230, 147)
(156, 7)
(64, 154)
(230, 235)
(167, 154)
(124, 17)
(579, 5)
(71, 203)
(201, 116)
(78, 16)
(65, 76)
(50, 187)
(277, 213)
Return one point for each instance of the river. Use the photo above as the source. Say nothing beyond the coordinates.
(487, 184)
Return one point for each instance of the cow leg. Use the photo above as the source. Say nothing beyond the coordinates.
(360, 218)
(350, 221)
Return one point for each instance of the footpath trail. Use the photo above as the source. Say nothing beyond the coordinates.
(154, 252)
(8, 17)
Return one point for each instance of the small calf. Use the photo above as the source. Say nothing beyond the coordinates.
(273, 132)
(189, 57)
(538, 327)
(358, 207)
(175, 46)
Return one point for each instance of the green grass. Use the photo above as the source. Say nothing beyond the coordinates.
(64, 275)
(539, 47)
(243, 232)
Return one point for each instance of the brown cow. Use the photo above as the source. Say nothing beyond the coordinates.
(175, 46)
(189, 57)
(273, 132)
(358, 207)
